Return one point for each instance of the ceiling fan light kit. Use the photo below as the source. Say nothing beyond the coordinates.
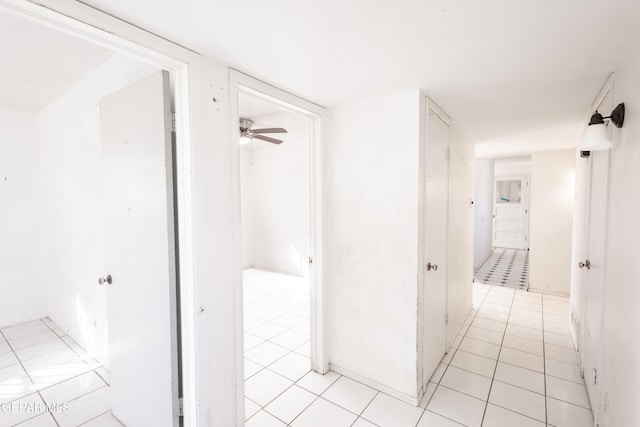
(247, 134)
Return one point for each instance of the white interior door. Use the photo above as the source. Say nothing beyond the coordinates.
(592, 267)
(510, 212)
(436, 200)
(592, 272)
(140, 253)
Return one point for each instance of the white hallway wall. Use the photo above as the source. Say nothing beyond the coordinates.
(373, 239)
(620, 376)
(275, 197)
(551, 220)
(22, 279)
(483, 214)
(513, 166)
(219, 357)
(72, 182)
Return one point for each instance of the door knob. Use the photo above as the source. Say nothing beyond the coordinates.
(103, 280)
(587, 264)
(433, 267)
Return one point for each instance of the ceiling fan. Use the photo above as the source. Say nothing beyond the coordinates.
(247, 134)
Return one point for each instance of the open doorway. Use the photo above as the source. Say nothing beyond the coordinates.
(89, 315)
(274, 185)
(279, 229)
(524, 221)
(502, 222)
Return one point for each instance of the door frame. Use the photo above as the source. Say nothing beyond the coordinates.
(427, 105)
(524, 204)
(240, 83)
(85, 22)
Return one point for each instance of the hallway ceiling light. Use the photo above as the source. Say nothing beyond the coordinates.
(597, 136)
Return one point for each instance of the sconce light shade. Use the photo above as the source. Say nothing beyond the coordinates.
(596, 136)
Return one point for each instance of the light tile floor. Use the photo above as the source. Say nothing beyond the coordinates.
(504, 267)
(512, 364)
(48, 380)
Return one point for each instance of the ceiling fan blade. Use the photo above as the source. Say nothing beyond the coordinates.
(266, 138)
(269, 130)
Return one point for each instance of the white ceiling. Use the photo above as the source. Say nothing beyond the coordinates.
(256, 109)
(266, 115)
(504, 70)
(38, 64)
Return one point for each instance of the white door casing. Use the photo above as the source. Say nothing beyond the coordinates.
(140, 253)
(316, 115)
(511, 212)
(434, 242)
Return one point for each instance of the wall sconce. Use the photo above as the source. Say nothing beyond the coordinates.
(596, 136)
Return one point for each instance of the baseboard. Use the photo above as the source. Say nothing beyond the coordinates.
(548, 292)
(413, 400)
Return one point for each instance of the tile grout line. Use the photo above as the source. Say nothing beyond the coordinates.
(262, 368)
(61, 338)
(276, 360)
(32, 382)
(287, 329)
(279, 394)
(503, 407)
(31, 334)
(498, 359)
(365, 408)
(452, 356)
(273, 305)
(289, 351)
(466, 327)
(38, 391)
(318, 396)
(80, 356)
(518, 366)
(295, 383)
(94, 418)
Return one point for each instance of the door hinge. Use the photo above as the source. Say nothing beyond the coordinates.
(181, 406)
(310, 260)
(446, 318)
(173, 122)
(595, 376)
(448, 153)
